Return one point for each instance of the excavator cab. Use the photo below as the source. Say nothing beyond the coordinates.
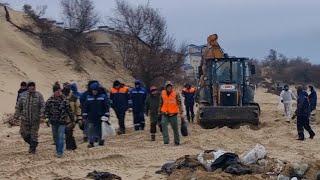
(226, 96)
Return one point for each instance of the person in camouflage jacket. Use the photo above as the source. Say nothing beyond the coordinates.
(58, 111)
(76, 110)
(29, 108)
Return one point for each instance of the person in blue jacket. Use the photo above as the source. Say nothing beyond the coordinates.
(83, 98)
(303, 114)
(119, 97)
(138, 96)
(95, 107)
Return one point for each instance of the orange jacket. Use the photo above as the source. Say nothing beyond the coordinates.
(170, 103)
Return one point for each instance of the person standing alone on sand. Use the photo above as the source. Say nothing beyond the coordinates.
(170, 107)
(29, 108)
(286, 97)
(303, 114)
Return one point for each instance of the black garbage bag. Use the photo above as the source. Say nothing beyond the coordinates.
(167, 168)
(230, 163)
(184, 128)
(96, 175)
(238, 169)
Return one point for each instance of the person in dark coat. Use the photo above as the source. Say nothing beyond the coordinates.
(83, 98)
(23, 88)
(312, 98)
(119, 98)
(188, 93)
(152, 109)
(303, 114)
(95, 107)
(138, 96)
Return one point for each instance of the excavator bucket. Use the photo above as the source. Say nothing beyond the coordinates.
(231, 116)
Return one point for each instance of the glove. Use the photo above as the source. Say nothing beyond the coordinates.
(104, 118)
(70, 125)
(47, 122)
(281, 101)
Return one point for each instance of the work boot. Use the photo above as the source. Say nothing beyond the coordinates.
(120, 132)
(153, 137)
(90, 145)
(101, 143)
(85, 139)
(33, 147)
(312, 134)
(177, 144)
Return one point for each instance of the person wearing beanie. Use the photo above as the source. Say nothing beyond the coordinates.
(138, 96)
(303, 114)
(96, 108)
(23, 88)
(58, 111)
(119, 99)
(29, 109)
(152, 107)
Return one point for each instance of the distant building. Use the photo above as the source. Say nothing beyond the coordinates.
(193, 60)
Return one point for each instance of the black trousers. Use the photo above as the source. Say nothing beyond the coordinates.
(138, 121)
(303, 124)
(190, 111)
(70, 140)
(121, 114)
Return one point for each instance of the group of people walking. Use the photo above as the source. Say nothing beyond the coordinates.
(68, 107)
(306, 107)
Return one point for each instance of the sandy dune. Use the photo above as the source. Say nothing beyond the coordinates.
(133, 156)
(22, 58)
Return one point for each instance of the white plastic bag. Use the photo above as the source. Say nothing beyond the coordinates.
(107, 129)
(207, 162)
(258, 152)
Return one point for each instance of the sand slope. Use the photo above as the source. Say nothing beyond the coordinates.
(23, 58)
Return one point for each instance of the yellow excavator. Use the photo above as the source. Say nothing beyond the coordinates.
(225, 96)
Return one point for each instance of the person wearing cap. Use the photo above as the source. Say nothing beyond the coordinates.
(120, 98)
(23, 88)
(286, 97)
(73, 100)
(29, 109)
(59, 113)
(303, 114)
(188, 92)
(152, 107)
(96, 108)
(170, 108)
(138, 96)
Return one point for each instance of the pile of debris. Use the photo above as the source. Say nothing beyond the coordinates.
(10, 120)
(220, 164)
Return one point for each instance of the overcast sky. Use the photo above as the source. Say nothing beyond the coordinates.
(246, 28)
